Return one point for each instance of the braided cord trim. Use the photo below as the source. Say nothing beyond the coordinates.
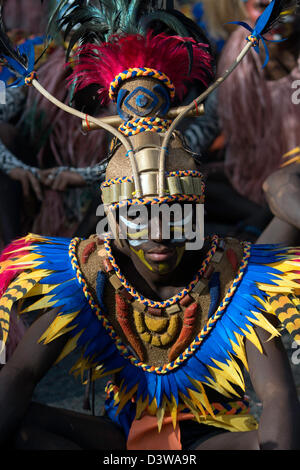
(139, 72)
(127, 179)
(177, 297)
(185, 173)
(148, 124)
(253, 39)
(122, 348)
(30, 77)
(112, 181)
(157, 200)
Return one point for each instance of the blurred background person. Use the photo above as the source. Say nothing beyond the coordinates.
(48, 167)
(257, 115)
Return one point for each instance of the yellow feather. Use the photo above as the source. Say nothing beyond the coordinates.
(201, 397)
(141, 407)
(196, 399)
(292, 152)
(218, 387)
(252, 337)
(160, 414)
(189, 403)
(293, 326)
(239, 350)
(124, 398)
(57, 327)
(228, 373)
(32, 237)
(296, 301)
(297, 339)
(41, 304)
(6, 303)
(262, 322)
(36, 274)
(283, 287)
(265, 304)
(173, 409)
(69, 347)
(40, 289)
(29, 259)
(101, 375)
(152, 407)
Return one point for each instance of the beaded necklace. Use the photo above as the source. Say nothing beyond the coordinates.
(194, 346)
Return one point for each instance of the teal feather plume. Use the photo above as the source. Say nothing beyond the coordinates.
(84, 21)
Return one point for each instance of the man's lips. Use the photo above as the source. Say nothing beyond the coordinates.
(157, 254)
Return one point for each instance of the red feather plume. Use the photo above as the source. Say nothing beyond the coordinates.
(168, 54)
(7, 274)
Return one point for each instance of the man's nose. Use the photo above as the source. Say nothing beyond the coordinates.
(156, 229)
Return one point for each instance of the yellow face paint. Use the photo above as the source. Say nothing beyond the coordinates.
(141, 256)
(142, 234)
(180, 252)
(163, 268)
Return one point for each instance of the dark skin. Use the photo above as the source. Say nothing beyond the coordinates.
(282, 190)
(27, 425)
(33, 426)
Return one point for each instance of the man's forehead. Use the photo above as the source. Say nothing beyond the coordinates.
(156, 209)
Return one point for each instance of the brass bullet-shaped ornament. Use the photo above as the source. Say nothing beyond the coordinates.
(115, 192)
(187, 185)
(149, 184)
(126, 191)
(174, 185)
(106, 195)
(148, 159)
(198, 186)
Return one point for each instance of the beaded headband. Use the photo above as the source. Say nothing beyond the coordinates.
(139, 72)
(183, 186)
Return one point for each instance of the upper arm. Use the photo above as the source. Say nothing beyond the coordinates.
(32, 358)
(282, 190)
(270, 372)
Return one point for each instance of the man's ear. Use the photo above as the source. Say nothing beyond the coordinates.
(115, 229)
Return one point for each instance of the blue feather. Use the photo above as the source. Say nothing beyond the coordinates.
(214, 291)
(262, 26)
(101, 282)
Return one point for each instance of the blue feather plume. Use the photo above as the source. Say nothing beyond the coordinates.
(272, 15)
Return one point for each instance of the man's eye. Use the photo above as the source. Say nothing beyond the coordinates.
(134, 223)
(181, 220)
(132, 218)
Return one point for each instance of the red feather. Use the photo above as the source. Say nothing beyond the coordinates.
(168, 54)
(8, 274)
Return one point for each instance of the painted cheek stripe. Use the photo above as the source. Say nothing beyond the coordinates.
(132, 225)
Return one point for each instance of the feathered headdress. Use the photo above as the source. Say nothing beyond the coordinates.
(96, 22)
(102, 64)
(112, 35)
